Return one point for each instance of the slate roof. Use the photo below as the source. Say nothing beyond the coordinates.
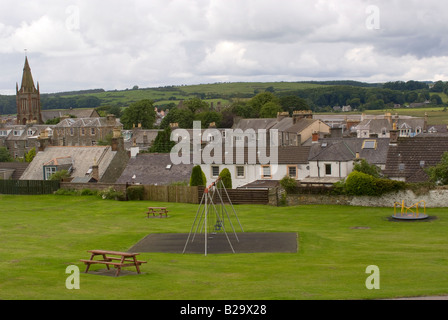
(151, 169)
(286, 155)
(261, 184)
(301, 125)
(345, 150)
(255, 124)
(408, 159)
(82, 157)
(374, 125)
(78, 113)
(18, 167)
(86, 122)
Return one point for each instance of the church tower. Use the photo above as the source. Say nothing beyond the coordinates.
(28, 99)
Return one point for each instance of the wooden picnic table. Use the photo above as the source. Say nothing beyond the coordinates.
(114, 258)
(157, 210)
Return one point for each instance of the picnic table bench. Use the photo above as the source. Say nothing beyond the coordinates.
(114, 258)
(157, 210)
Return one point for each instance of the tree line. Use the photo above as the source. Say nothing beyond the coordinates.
(320, 99)
(50, 102)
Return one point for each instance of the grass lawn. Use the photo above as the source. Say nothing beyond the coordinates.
(41, 235)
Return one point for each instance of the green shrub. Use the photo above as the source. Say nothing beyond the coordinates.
(289, 184)
(66, 192)
(364, 167)
(111, 194)
(60, 175)
(226, 178)
(135, 193)
(88, 192)
(360, 184)
(384, 186)
(197, 177)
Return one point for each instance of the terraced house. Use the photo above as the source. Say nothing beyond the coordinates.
(85, 131)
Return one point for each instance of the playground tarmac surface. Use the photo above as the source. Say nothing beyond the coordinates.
(218, 243)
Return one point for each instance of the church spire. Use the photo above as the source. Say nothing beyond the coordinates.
(28, 99)
(27, 79)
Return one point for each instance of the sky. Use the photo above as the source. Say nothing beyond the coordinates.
(115, 44)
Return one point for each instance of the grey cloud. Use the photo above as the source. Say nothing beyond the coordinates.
(118, 44)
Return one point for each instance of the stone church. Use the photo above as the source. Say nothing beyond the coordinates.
(28, 99)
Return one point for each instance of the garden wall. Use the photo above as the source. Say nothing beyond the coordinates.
(434, 199)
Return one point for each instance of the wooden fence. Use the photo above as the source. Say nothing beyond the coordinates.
(240, 196)
(185, 194)
(31, 187)
(179, 194)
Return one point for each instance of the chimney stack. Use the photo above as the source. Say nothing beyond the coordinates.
(95, 172)
(394, 134)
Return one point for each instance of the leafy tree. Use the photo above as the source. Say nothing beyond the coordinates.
(196, 105)
(208, 117)
(184, 117)
(60, 175)
(243, 109)
(141, 112)
(439, 173)
(226, 178)
(293, 103)
(436, 99)
(4, 155)
(289, 184)
(270, 110)
(163, 143)
(29, 156)
(439, 86)
(364, 167)
(257, 102)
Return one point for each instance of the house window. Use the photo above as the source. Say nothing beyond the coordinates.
(49, 171)
(92, 131)
(266, 172)
(328, 169)
(215, 171)
(83, 131)
(72, 131)
(292, 172)
(240, 174)
(369, 144)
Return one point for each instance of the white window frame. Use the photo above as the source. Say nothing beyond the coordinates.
(213, 168)
(266, 172)
(49, 171)
(239, 176)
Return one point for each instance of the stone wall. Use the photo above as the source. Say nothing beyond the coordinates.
(434, 199)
